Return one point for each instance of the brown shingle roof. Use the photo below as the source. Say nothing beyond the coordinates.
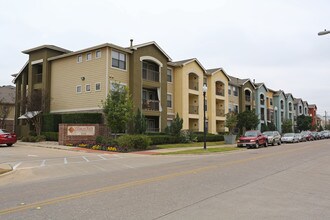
(7, 94)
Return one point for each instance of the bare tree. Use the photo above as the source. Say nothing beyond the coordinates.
(4, 112)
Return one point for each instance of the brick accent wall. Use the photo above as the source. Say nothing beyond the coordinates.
(65, 139)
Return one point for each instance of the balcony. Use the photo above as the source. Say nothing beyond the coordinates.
(193, 109)
(248, 98)
(38, 78)
(150, 105)
(193, 85)
(150, 75)
(220, 92)
(220, 112)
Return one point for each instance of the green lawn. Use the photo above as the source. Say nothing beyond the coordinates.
(195, 144)
(202, 151)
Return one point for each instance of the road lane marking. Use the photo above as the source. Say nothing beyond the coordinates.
(32, 155)
(43, 163)
(135, 183)
(85, 158)
(103, 158)
(16, 165)
(116, 155)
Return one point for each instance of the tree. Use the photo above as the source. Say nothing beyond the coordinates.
(4, 112)
(304, 122)
(175, 127)
(118, 108)
(287, 126)
(231, 121)
(271, 126)
(247, 120)
(140, 123)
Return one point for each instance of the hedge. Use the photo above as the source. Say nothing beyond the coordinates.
(134, 142)
(50, 122)
(164, 139)
(50, 136)
(209, 137)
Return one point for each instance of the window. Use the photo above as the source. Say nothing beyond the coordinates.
(236, 109)
(235, 91)
(98, 54)
(121, 86)
(88, 88)
(169, 122)
(118, 60)
(169, 100)
(78, 89)
(229, 91)
(98, 87)
(169, 75)
(89, 56)
(271, 101)
(79, 58)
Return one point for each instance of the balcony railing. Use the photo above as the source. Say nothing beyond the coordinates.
(150, 75)
(193, 109)
(193, 85)
(220, 112)
(248, 98)
(151, 105)
(220, 92)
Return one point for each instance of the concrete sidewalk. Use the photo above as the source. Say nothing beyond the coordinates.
(55, 145)
(4, 168)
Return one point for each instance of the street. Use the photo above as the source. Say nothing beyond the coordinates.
(290, 181)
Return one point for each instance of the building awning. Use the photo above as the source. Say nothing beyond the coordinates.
(29, 115)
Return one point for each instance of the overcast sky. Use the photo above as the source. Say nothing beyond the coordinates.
(272, 41)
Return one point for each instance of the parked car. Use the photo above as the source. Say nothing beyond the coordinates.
(301, 137)
(290, 138)
(273, 137)
(252, 139)
(316, 135)
(7, 137)
(308, 135)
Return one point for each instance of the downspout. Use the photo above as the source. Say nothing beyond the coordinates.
(107, 73)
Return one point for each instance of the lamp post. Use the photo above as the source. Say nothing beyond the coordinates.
(323, 32)
(204, 93)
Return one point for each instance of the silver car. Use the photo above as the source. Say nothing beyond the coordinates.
(273, 137)
(290, 138)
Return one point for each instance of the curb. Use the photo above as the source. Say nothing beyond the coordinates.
(5, 169)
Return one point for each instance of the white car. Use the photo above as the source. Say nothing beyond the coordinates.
(290, 138)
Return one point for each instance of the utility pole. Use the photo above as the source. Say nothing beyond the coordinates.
(325, 119)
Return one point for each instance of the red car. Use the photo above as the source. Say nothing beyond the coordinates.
(7, 137)
(252, 139)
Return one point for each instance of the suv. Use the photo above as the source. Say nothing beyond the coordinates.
(252, 139)
(273, 137)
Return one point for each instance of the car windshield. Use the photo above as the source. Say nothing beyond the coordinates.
(251, 134)
(289, 135)
(3, 131)
(268, 133)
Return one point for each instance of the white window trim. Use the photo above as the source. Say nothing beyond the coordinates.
(120, 83)
(78, 58)
(96, 57)
(77, 89)
(91, 55)
(98, 89)
(90, 88)
(116, 68)
(171, 75)
(171, 100)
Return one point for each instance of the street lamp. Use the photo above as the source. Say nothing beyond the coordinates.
(323, 32)
(204, 93)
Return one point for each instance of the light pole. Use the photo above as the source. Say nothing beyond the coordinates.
(204, 93)
(323, 32)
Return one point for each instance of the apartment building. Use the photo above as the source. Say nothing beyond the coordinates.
(7, 107)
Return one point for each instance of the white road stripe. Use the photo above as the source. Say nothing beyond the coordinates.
(43, 163)
(103, 158)
(85, 158)
(116, 155)
(65, 160)
(17, 165)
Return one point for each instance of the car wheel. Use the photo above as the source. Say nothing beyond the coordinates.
(266, 144)
(9, 145)
(273, 143)
(257, 145)
(279, 142)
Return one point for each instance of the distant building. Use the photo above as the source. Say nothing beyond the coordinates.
(7, 107)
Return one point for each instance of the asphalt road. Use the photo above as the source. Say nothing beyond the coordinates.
(290, 181)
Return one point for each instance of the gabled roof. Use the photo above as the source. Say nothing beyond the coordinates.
(297, 100)
(52, 47)
(312, 106)
(259, 85)
(215, 70)
(182, 63)
(305, 103)
(7, 94)
(89, 49)
(16, 75)
(239, 82)
(289, 94)
(151, 43)
(279, 92)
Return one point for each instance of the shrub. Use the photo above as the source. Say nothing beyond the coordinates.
(134, 142)
(209, 137)
(33, 138)
(50, 122)
(50, 136)
(164, 139)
